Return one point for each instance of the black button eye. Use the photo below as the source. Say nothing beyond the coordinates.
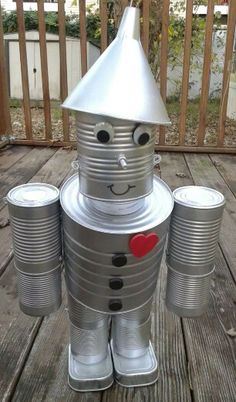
(142, 135)
(104, 132)
(103, 136)
(143, 139)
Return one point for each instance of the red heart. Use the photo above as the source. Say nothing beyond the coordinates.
(141, 244)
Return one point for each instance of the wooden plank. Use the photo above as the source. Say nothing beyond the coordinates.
(83, 37)
(174, 170)
(6, 251)
(185, 73)
(163, 62)
(206, 73)
(145, 28)
(225, 164)
(45, 374)
(44, 70)
(63, 67)
(44, 143)
(211, 349)
(24, 169)
(195, 149)
(103, 16)
(5, 118)
(205, 173)
(227, 70)
(163, 148)
(10, 155)
(52, 172)
(3, 142)
(24, 69)
(18, 331)
(125, 3)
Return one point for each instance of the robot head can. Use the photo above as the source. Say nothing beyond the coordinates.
(118, 105)
(115, 158)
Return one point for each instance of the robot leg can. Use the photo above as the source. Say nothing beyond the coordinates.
(90, 364)
(135, 363)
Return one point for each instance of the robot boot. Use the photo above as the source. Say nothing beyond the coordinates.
(134, 360)
(90, 364)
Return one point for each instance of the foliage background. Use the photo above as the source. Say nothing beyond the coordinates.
(114, 7)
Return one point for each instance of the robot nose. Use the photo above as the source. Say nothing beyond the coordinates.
(122, 161)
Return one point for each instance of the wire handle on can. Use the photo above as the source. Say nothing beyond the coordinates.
(156, 159)
(75, 164)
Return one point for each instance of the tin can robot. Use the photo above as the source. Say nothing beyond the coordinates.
(115, 218)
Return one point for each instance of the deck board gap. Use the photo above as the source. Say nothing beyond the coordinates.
(25, 359)
(187, 360)
(227, 263)
(220, 173)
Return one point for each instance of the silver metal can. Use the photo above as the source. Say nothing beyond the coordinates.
(89, 346)
(101, 268)
(131, 332)
(193, 236)
(34, 212)
(39, 294)
(120, 169)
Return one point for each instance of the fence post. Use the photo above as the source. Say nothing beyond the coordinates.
(145, 31)
(104, 20)
(185, 73)
(24, 69)
(63, 67)
(5, 119)
(206, 73)
(44, 70)
(83, 37)
(164, 62)
(231, 23)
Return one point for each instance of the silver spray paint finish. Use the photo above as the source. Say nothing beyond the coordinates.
(35, 222)
(193, 236)
(120, 170)
(115, 216)
(120, 84)
(92, 239)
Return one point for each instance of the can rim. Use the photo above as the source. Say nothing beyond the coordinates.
(33, 204)
(77, 211)
(217, 204)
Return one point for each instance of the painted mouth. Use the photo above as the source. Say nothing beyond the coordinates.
(123, 193)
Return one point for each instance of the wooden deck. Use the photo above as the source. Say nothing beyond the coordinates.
(196, 356)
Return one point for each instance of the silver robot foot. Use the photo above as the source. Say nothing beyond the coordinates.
(134, 360)
(90, 364)
(135, 371)
(93, 377)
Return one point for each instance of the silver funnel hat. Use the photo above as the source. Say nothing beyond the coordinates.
(120, 84)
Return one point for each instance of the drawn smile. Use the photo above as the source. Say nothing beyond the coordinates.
(124, 192)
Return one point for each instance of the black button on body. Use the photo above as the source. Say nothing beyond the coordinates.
(119, 260)
(116, 283)
(115, 305)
